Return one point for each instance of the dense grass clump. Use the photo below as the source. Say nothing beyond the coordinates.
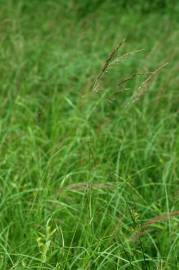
(89, 137)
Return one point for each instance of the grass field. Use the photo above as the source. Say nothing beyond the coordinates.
(89, 137)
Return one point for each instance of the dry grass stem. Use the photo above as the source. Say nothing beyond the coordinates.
(87, 186)
(145, 85)
(145, 226)
(107, 64)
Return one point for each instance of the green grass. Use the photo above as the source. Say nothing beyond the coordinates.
(81, 169)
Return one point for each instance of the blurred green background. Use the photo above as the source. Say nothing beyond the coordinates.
(89, 135)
